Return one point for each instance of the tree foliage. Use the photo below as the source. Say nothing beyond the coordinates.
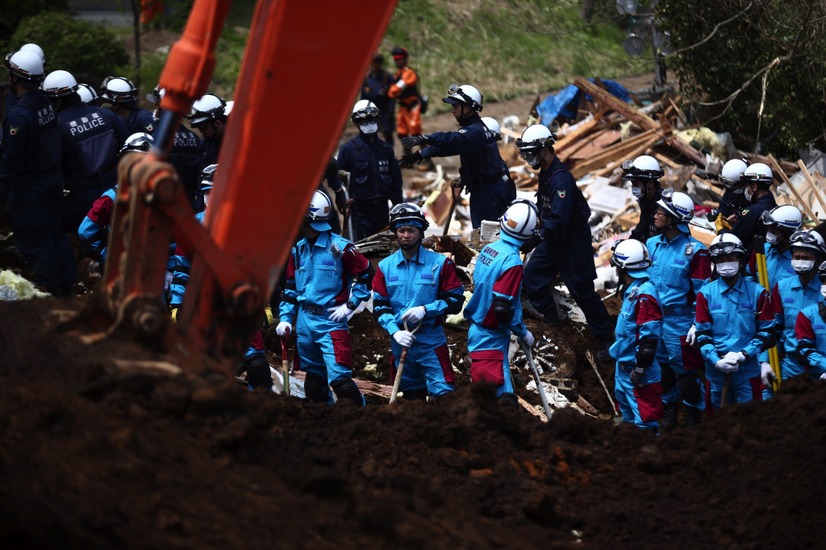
(734, 56)
(15, 11)
(87, 50)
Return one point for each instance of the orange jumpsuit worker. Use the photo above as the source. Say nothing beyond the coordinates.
(405, 89)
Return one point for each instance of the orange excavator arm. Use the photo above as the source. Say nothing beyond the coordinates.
(302, 67)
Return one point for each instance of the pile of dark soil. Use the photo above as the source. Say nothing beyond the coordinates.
(89, 458)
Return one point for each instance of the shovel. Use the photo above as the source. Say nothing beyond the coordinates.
(453, 192)
(398, 379)
(285, 365)
(542, 397)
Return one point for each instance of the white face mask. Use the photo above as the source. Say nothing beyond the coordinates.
(726, 270)
(369, 128)
(638, 192)
(771, 238)
(823, 290)
(803, 266)
(748, 193)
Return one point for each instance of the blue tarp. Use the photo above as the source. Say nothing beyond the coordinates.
(565, 103)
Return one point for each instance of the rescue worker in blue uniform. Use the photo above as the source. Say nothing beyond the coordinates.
(91, 138)
(644, 173)
(792, 295)
(733, 200)
(495, 309)
(327, 279)
(735, 322)
(30, 171)
(810, 332)
(680, 267)
(563, 243)
(375, 177)
(93, 232)
(186, 150)
(122, 95)
(374, 89)
(483, 172)
(779, 224)
(756, 181)
(414, 289)
(638, 333)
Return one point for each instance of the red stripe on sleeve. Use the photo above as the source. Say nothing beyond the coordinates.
(702, 313)
(291, 268)
(354, 261)
(379, 285)
(448, 280)
(101, 211)
(803, 328)
(765, 307)
(700, 265)
(509, 283)
(648, 309)
(777, 303)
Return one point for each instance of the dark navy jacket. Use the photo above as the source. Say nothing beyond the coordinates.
(91, 139)
(374, 170)
(31, 140)
(140, 120)
(563, 210)
(750, 225)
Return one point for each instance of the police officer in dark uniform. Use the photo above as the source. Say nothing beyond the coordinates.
(91, 139)
(374, 88)
(30, 170)
(375, 176)
(123, 98)
(644, 173)
(757, 180)
(208, 117)
(185, 155)
(483, 171)
(563, 243)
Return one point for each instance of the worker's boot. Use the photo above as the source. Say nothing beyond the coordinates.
(508, 400)
(693, 417)
(415, 395)
(347, 389)
(259, 376)
(603, 356)
(669, 420)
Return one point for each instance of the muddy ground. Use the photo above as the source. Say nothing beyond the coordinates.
(91, 458)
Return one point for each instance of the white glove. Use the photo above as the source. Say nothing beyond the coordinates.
(404, 338)
(726, 367)
(734, 357)
(766, 373)
(823, 376)
(414, 315)
(283, 328)
(528, 339)
(691, 337)
(340, 313)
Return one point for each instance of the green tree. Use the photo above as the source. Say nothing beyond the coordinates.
(87, 50)
(15, 11)
(756, 68)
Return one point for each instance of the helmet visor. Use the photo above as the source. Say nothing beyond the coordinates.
(454, 90)
(724, 249)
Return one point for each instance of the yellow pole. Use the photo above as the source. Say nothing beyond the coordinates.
(763, 278)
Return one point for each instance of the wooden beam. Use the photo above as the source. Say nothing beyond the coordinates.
(812, 184)
(801, 202)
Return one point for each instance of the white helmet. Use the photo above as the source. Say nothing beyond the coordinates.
(207, 178)
(725, 244)
(758, 173)
(464, 95)
(59, 84)
(319, 211)
(810, 240)
(119, 89)
(679, 206)
(632, 256)
(26, 65)
(208, 107)
(407, 214)
(732, 170)
(493, 126)
(156, 95)
(785, 217)
(228, 108)
(86, 92)
(139, 142)
(519, 220)
(534, 139)
(644, 167)
(364, 111)
(32, 47)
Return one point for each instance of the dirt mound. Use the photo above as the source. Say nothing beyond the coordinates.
(89, 458)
